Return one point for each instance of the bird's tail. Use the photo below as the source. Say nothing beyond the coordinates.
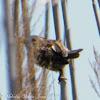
(74, 54)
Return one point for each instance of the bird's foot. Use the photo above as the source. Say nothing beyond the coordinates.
(61, 78)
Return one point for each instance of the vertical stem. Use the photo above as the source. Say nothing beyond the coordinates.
(26, 24)
(47, 20)
(68, 38)
(8, 77)
(31, 70)
(18, 47)
(72, 68)
(96, 15)
(56, 19)
(11, 48)
(58, 37)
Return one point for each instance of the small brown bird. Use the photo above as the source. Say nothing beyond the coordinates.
(52, 54)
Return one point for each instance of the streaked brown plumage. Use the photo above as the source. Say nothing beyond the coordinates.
(52, 54)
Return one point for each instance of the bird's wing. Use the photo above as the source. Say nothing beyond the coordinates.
(56, 48)
(59, 48)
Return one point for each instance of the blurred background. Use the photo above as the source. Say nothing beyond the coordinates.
(76, 23)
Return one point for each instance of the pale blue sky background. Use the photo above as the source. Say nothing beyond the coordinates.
(84, 34)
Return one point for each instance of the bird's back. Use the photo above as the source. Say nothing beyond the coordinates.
(51, 54)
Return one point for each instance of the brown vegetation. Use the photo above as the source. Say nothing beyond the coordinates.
(96, 69)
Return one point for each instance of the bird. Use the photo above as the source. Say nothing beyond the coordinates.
(52, 54)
